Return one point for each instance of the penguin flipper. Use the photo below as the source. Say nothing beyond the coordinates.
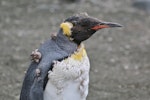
(28, 81)
(33, 85)
(51, 50)
(37, 88)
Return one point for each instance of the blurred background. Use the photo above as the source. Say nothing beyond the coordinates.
(120, 57)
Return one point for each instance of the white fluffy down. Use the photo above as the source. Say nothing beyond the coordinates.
(68, 80)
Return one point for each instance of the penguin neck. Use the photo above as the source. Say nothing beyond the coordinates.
(62, 37)
(64, 43)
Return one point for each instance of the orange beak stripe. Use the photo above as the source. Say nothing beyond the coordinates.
(97, 27)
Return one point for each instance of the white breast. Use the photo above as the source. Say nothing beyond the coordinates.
(68, 80)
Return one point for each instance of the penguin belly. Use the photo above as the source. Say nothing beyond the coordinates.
(68, 80)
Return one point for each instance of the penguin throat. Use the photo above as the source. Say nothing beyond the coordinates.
(80, 53)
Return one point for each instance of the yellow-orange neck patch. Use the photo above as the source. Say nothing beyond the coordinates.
(66, 27)
(80, 53)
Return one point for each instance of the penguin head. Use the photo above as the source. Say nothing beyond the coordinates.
(81, 27)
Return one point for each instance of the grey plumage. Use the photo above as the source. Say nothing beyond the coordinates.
(53, 49)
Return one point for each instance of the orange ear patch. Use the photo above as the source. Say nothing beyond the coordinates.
(66, 27)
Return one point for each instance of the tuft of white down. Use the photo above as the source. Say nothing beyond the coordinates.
(68, 80)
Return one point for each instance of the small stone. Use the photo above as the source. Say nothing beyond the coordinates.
(112, 60)
(110, 39)
(136, 67)
(126, 67)
(127, 46)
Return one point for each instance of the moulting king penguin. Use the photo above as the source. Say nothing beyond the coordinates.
(60, 67)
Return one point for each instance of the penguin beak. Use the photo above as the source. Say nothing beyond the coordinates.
(102, 25)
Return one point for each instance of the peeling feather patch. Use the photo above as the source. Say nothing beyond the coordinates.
(69, 79)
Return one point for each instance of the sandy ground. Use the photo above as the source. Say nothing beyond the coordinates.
(120, 57)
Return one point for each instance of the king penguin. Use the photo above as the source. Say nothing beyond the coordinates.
(60, 66)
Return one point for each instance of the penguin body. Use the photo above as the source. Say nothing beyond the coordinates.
(69, 78)
(61, 72)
